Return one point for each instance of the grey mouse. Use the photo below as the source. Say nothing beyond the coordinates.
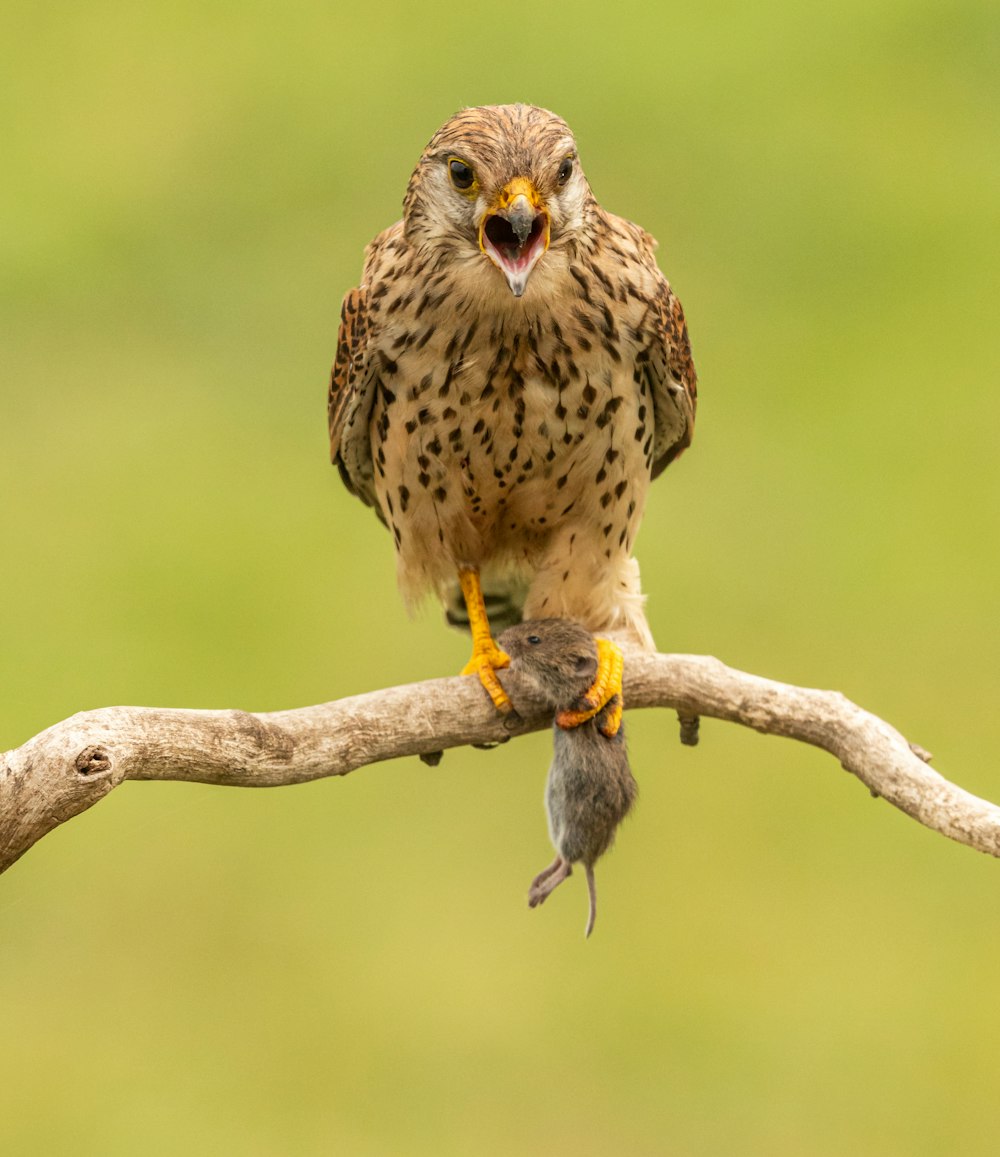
(590, 788)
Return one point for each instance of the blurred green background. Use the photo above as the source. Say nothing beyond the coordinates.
(781, 964)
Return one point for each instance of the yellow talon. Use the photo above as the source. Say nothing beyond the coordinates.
(606, 687)
(487, 658)
(612, 720)
(485, 664)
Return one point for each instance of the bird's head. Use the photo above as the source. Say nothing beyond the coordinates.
(500, 185)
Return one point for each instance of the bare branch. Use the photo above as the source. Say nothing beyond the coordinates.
(69, 767)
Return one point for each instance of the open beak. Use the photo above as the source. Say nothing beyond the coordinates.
(514, 233)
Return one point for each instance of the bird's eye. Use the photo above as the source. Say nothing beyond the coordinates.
(534, 640)
(565, 170)
(462, 176)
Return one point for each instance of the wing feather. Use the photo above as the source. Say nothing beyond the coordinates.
(672, 379)
(353, 382)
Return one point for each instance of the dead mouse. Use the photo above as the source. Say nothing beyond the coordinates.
(590, 788)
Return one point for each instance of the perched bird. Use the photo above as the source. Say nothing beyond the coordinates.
(511, 373)
(590, 787)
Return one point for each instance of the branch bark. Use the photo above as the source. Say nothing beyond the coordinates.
(69, 767)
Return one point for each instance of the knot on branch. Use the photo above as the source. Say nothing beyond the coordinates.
(93, 761)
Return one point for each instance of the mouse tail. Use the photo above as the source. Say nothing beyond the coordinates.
(592, 889)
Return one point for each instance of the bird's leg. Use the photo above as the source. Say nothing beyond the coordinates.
(487, 658)
(606, 687)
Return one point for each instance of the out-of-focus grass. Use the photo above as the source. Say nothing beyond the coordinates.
(781, 965)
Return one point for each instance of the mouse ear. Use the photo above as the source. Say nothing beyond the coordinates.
(585, 665)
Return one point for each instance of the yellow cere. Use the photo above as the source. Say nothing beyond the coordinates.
(515, 188)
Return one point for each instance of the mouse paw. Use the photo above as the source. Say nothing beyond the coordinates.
(546, 882)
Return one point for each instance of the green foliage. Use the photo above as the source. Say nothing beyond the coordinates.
(782, 965)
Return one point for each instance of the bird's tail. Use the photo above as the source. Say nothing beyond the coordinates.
(592, 889)
(504, 599)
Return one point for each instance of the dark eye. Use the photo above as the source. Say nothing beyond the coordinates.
(565, 171)
(534, 640)
(462, 175)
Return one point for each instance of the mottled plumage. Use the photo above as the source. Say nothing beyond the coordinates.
(511, 373)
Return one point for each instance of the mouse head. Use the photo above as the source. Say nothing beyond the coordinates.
(558, 656)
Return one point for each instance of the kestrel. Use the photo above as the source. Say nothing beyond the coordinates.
(510, 375)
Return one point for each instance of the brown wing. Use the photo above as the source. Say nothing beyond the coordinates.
(672, 379)
(350, 354)
(353, 382)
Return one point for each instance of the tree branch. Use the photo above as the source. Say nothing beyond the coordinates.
(69, 767)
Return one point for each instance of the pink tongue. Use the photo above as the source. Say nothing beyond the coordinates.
(518, 259)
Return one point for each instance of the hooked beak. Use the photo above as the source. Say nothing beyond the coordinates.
(514, 233)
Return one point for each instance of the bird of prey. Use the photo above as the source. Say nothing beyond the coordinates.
(510, 375)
